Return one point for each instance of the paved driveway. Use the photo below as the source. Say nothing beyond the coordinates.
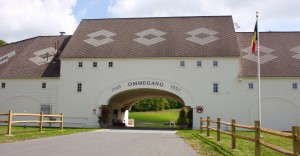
(103, 142)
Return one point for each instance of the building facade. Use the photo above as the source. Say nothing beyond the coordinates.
(200, 61)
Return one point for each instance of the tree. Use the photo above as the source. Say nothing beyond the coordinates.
(156, 104)
(182, 120)
(190, 117)
(2, 42)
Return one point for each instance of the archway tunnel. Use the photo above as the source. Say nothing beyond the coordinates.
(120, 103)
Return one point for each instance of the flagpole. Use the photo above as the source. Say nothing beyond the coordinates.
(258, 73)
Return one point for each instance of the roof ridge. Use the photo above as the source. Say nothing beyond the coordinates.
(32, 38)
(126, 18)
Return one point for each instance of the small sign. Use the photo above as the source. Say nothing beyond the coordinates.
(94, 111)
(199, 109)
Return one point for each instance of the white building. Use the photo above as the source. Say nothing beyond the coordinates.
(200, 61)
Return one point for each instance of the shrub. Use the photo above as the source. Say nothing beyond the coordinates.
(182, 118)
(190, 117)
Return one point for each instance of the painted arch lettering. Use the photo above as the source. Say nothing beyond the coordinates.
(146, 84)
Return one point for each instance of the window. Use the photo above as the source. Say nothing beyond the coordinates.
(215, 87)
(182, 64)
(95, 64)
(79, 87)
(199, 64)
(110, 64)
(46, 109)
(215, 64)
(80, 64)
(44, 85)
(250, 86)
(3, 85)
(295, 85)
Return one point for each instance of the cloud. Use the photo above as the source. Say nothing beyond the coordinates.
(22, 19)
(275, 15)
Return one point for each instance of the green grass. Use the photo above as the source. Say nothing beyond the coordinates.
(28, 133)
(210, 147)
(154, 119)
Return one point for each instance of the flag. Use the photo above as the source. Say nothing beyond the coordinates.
(254, 39)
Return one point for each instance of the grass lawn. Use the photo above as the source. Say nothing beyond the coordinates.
(154, 119)
(28, 133)
(210, 147)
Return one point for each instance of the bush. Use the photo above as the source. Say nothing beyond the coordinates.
(182, 118)
(190, 118)
(103, 119)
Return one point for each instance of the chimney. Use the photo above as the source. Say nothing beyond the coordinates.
(62, 33)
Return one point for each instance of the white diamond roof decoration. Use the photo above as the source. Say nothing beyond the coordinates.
(265, 54)
(6, 57)
(149, 42)
(202, 41)
(296, 50)
(98, 42)
(41, 56)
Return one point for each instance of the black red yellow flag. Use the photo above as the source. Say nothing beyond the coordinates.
(254, 39)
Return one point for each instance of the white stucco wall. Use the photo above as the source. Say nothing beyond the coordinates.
(27, 96)
(280, 103)
(195, 83)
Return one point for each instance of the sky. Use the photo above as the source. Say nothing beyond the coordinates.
(22, 19)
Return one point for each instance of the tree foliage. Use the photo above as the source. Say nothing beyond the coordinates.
(156, 104)
(182, 117)
(2, 42)
(190, 117)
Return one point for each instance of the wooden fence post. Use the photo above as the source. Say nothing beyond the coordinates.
(201, 125)
(208, 126)
(9, 123)
(296, 142)
(257, 138)
(41, 121)
(233, 134)
(61, 122)
(218, 129)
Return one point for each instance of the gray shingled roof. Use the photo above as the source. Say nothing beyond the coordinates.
(154, 37)
(279, 53)
(28, 58)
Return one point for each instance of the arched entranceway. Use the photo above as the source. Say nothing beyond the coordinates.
(120, 103)
(123, 94)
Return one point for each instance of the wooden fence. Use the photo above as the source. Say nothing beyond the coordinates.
(295, 136)
(41, 120)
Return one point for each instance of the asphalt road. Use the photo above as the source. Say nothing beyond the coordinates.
(105, 143)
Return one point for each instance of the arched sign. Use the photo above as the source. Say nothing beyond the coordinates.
(168, 86)
(147, 84)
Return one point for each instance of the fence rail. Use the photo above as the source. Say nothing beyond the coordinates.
(295, 136)
(41, 120)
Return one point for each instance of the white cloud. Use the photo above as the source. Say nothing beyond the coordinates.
(22, 19)
(275, 15)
